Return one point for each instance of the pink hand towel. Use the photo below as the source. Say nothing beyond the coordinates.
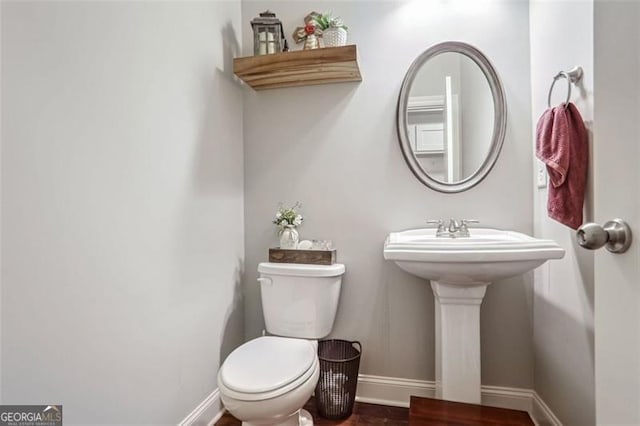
(562, 144)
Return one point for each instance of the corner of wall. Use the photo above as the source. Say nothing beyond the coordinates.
(207, 413)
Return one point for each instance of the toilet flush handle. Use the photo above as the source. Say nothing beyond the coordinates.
(265, 280)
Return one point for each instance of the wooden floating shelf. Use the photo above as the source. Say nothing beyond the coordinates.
(299, 68)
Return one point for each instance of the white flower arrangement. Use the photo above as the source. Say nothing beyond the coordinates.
(288, 216)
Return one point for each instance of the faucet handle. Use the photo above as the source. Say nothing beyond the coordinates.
(464, 228)
(438, 222)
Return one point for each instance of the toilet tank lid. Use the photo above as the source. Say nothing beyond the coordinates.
(301, 270)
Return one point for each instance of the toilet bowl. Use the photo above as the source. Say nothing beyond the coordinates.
(267, 380)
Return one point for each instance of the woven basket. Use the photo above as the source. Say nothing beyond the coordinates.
(334, 37)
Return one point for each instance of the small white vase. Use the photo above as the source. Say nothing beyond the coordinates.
(334, 37)
(289, 237)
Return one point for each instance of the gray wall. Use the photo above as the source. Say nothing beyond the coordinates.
(334, 148)
(430, 79)
(562, 37)
(122, 206)
(477, 110)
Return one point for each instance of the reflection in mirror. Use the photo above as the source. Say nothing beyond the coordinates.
(451, 117)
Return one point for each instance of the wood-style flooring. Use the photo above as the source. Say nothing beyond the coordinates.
(363, 414)
(423, 412)
(436, 412)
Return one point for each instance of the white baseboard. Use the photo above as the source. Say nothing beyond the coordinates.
(542, 412)
(504, 397)
(396, 392)
(207, 413)
(391, 390)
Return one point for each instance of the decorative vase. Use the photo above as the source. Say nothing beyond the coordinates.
(289, 237)
(334, 37)
(311, 42)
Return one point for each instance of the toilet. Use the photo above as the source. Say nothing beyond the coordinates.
(267, 380)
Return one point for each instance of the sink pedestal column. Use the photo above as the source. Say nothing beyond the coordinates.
(457, 310)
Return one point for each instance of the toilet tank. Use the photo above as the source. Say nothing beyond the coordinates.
(300, 300)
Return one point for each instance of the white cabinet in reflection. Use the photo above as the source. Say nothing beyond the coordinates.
(429, 138)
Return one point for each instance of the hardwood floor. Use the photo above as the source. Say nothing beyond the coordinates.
(423, 412)
(363, 414)
(436, 412)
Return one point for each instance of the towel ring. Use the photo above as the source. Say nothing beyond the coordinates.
(573, 76)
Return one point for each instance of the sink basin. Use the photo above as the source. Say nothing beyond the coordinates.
(486, 256)
(460, 270)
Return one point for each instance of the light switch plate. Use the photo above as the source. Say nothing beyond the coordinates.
(541, 175)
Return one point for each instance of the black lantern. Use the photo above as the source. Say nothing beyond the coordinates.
(268, 36)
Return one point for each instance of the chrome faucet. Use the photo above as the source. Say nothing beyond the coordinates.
(441, 231)
(456, 229)
(463, 230)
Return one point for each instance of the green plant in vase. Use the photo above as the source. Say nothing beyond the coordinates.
(334, 31)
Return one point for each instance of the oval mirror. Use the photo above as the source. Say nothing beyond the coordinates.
(452, 117)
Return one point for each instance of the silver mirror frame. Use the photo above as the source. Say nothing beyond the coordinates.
(499, 122)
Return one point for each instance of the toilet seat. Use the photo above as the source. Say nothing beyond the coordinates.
(267, 367)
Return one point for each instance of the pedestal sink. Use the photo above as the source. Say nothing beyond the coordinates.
(460, 269)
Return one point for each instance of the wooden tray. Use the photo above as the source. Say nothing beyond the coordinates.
(310, 257)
